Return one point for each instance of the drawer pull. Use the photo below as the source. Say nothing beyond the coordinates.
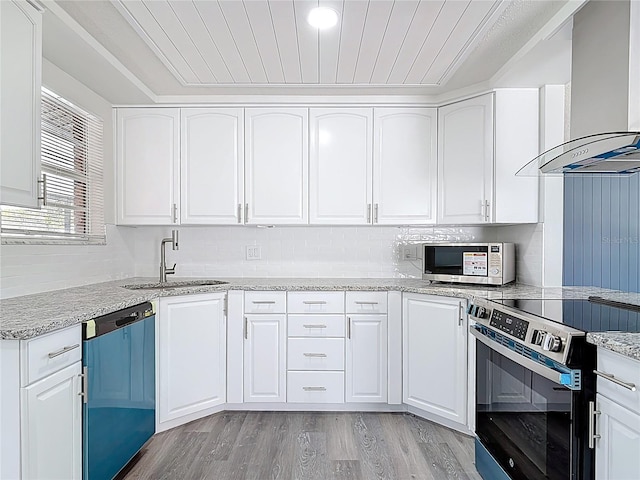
(318, 355)
(63, 350)
(319, 325)
(314, 389)
(366, 303)
(263, 302)
(314, 302)
(611, 377)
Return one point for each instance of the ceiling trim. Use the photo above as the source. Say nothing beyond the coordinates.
(61, 14)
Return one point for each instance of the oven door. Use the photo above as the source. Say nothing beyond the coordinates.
(530, 424)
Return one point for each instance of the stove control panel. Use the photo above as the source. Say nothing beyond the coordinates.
(548, 341)
(516, 327)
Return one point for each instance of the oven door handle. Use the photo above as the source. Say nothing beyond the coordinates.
(546, 372)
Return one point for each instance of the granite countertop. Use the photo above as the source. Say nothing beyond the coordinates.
(32, 315)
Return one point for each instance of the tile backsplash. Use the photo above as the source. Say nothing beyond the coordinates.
(291, 251)
(26, 269)
(220, 251)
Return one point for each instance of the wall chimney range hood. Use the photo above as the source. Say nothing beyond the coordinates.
(612, 153)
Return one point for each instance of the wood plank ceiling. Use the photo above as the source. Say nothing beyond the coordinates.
(260, 42)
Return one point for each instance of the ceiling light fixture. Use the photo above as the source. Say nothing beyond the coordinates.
(322, 17)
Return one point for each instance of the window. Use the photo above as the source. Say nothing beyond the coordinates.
(72, 202)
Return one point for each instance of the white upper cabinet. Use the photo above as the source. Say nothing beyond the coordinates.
(148, 166)
(477, 181)
(212, 166)
(404, 166)
(20, 80)
(465, 160)
(340, 165)
(517, 142)
(276, 165)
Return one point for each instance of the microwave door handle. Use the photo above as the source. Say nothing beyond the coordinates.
(519, 359)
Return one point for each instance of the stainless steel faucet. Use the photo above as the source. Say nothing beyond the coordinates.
(164, 271)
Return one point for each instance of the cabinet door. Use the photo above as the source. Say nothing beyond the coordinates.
(617, 448)
(435, 356)
(20, 80)
(404, 165)
(366, 369)
(52, 426)
(212, 166)
(265, 361)
(148, 165)
(340, 166)
(191, 355)
(276, 163)
(465, 161)
(517, 143)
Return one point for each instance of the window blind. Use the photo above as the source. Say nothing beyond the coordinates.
(72, 196)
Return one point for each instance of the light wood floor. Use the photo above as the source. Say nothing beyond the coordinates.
(322, 446)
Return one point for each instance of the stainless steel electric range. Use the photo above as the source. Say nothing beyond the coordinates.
(535, 384)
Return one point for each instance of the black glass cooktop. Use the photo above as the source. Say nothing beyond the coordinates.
(590, 315)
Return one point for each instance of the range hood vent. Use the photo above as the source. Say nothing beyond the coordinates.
(613, 153)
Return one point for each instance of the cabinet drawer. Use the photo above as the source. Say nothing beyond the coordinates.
(315, 387)
(265, 302)
(316, 325)
(366, 302)
(624, 369)
(49, 353)
(315, 354)
(315, 302)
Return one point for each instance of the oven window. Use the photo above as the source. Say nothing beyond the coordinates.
(448, 260)
(523, 419)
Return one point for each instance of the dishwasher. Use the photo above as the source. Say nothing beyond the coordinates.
(118, 413)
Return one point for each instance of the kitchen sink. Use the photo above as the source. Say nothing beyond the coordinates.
(178, 284)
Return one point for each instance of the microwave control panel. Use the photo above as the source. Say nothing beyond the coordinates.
(516, 327)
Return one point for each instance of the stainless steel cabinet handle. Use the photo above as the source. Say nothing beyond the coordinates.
(460, 316)
(239, 213)
(43, 198)
(263, 302)
(368, 213)
(319, 325)
(246, 329)
(314, 389)
(63, 350)
(315, 355)
(593, 436)
(246, 212)
(348, 327)
(314, 302)
(375, 213)
(175, 213)
(487, 210)
(366, 303)
(612, 378)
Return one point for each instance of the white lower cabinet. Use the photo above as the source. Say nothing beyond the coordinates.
(617, 419)
(265, 338)
(434, 360)
(191, 339)
(366, 369)
(51, 420)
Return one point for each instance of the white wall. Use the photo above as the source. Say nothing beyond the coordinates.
(529, 240)
(291, 251)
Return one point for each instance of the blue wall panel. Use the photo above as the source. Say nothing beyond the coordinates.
(602, 232)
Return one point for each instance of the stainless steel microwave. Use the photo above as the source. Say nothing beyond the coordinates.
(479, 263)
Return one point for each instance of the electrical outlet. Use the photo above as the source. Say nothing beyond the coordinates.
(409, 252)
(254, 252)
